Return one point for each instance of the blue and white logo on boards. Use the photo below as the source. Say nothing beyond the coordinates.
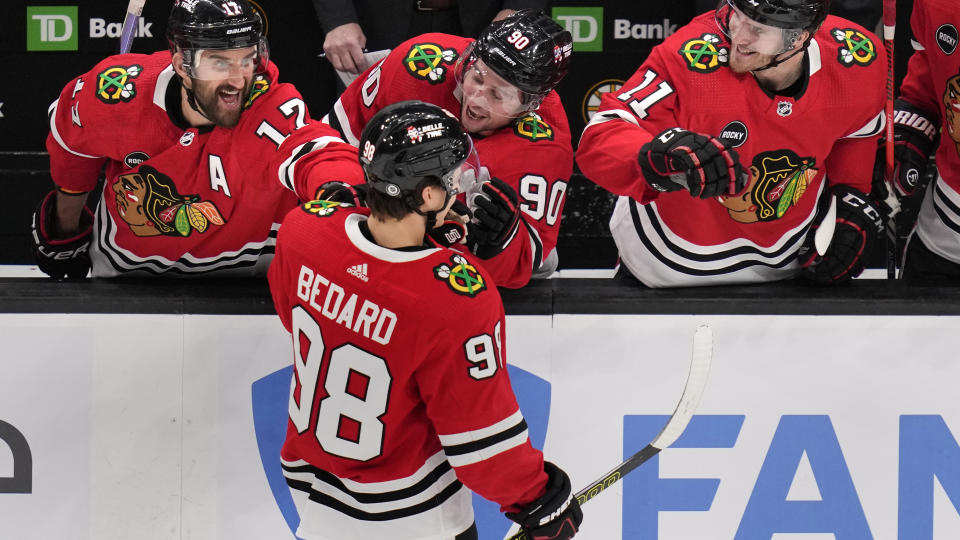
(271, 396)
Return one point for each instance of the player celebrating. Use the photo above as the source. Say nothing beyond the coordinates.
(197, 179)
(740, 137)
(396, 346)
(929, 98)
(501, 86)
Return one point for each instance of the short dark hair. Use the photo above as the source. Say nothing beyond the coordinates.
(382, 205)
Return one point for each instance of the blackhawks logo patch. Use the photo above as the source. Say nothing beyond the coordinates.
(321, 208)
(429, 61)
(704, 54)
(147, 200)
(778, 179)
(533, 127)
(115, 83)
(461, 276)
(259, 88)
(856, 49)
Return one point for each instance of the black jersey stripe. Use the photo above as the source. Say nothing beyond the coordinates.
(332, 480)
(356, 513)
(480, 444)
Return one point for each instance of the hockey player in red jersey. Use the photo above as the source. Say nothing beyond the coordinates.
(742, 136)
(930, 99)
(205, 151)
(501, 88)
(401, 398)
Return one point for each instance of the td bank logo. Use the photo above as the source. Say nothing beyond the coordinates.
(585, 24)
(52, 28)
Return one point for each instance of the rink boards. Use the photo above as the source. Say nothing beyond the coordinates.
(811, 427)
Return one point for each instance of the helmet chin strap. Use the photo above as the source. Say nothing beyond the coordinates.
(192, 101)
(431, 215)
(775, 62)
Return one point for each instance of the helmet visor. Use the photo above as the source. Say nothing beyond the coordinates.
(745, 32)
(487, 92)
(217, 64)
(465, 177)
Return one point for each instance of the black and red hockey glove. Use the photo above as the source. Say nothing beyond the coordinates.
(496, 218)
(703, 165)
(61, 258)
(914, 139)
(453, 230)
(342, 192)
(556, 515)
(857, 225)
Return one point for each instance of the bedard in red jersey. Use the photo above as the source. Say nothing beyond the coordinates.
(930, 98)
(531, 153)
(753, 157)
(184, 197)
(401, 398)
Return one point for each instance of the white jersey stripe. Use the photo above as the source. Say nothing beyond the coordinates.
(454, 439)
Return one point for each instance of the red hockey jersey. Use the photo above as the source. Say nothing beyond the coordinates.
(790, 146)
(182, 201)
(933, 83)
(533, 154)
(400, 389)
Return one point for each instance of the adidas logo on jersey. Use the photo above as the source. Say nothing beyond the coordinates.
(359, 271)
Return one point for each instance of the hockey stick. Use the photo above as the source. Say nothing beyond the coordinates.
(134, 10)
(676, 424)
(889, 27)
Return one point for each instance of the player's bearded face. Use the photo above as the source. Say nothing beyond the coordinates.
(227, 79)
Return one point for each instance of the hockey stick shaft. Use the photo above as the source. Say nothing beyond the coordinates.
(675, 426)
(889, 28)
(134, 10)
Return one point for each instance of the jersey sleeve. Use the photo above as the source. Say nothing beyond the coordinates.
(626, 120)
(75, 159)
(315, 154)
(918, 87)
(471, 404)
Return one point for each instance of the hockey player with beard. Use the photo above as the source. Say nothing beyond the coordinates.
(930, 99)
(401, 401)
(501, 88)
(742, 148)
(204, 152)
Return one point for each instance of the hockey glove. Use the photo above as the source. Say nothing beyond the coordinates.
(914, 139)
(453, 230)
(63, 257)
(554, 516)
(703, 165)
(857, 225)
(496, 217)
(342, 192)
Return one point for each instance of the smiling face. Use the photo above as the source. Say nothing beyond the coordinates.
(221, 80)
(489, 102)
(754, 45)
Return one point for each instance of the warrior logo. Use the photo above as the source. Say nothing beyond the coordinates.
(947, 37)
(258, 88)
(148, 201)
(429, 61)
(320, 208)
(533, 127)
(703, 54)
(591, 100)
(115, 83)
(777, 181)
(856, 49)
(462, 277)
(951, 105)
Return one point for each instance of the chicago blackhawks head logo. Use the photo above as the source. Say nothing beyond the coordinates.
(533, 127)
(147, 200)
(429, 61)
(461, 276)
(951, 106)
(855, 49)
(116, 83)
(321, 208)
(777, 181)
(704, 54)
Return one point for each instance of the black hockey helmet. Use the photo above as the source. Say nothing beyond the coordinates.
(409, 140)
(802, 14)
(528, 49)
(196, 25)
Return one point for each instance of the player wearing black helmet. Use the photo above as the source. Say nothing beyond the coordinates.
(742, 148)
(409, 440)
(204, 152)
(501, 87)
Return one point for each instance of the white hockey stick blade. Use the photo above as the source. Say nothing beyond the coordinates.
(692, 391)
(824, 234)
